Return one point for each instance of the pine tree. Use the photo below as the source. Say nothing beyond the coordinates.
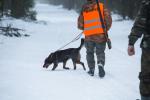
(22, 8)
(126, 8)
(1, 8)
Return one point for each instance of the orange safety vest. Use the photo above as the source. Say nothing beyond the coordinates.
(92, 24)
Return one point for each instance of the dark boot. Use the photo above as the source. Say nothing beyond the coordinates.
(101, 71)
(91, 72)
(145, 98)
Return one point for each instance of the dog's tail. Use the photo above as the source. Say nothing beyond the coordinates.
(81, 45)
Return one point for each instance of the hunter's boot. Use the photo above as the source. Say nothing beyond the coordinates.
(91, 71)
(145, 98)
(101, 71)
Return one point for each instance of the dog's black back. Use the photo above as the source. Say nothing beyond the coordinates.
(63, 56)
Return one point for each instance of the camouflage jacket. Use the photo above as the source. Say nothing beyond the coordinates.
(141, 26)
(107, 19)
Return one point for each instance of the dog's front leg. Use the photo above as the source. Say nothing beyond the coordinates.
(74, 64)
(64, 65)
(54, 67)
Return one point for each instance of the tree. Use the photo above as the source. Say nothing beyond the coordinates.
(126, 8)
(22, 8)
(1, 8)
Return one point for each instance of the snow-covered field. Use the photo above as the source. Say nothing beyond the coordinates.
(23, 78)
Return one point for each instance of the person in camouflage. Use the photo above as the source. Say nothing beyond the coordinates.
(95, 41)
(142, 28)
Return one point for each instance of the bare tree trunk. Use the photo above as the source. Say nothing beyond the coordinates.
(2, 7)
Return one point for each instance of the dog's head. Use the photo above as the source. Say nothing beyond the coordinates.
(48, 61)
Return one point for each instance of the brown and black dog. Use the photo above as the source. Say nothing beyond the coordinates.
(63, 56)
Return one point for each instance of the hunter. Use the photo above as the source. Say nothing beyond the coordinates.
(95, 39)
(141, 28)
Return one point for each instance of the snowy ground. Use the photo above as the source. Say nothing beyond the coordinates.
(23, 78)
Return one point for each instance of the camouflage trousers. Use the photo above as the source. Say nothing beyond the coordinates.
(91, 49)
(144, 75)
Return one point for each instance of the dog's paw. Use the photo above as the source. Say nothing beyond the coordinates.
(67, 68)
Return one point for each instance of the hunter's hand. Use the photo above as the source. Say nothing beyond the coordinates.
(131, 50)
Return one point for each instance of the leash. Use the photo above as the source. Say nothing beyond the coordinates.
(75, 39)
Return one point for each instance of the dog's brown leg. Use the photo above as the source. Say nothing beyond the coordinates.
(64, 65)
(81, 63)
(74, 64)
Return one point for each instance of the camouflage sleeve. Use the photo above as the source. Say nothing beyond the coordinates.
(81, 21)
(139, 26)
(108, 18)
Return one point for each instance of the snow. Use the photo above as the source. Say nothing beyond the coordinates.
(23, 78)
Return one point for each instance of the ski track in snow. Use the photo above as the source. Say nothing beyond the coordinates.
(23, 78)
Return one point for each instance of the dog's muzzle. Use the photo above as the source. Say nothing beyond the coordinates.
(45, 65)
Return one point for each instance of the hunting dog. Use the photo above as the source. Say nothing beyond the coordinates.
(63, 56)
